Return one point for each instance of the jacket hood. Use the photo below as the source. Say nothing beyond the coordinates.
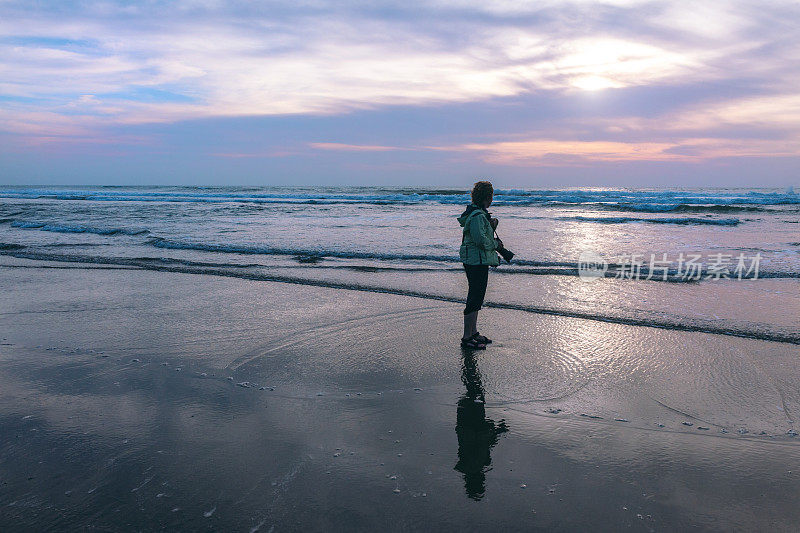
(462, 219)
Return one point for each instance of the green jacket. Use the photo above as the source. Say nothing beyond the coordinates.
(478, 245)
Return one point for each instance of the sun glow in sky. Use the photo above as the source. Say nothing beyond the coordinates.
(577, 92)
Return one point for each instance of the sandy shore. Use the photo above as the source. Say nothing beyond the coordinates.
(138, 400)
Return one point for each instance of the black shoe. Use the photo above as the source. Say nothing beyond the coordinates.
(481, 339)
(472, 344)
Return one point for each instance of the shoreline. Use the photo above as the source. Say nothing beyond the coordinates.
(239, 274)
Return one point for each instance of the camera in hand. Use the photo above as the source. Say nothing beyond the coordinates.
(508, 255)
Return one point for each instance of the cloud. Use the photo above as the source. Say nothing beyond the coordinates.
(353, 147)
(249, 155)
(514, 83)
(777, 112)
(565, 153)
(547, 152)
(245, 59)
(773, 117)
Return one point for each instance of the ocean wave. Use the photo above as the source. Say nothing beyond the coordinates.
(682, 208)
(170, 244)
(73, 244)
(312, 257)
(638, 200)
(681, 221)
(186, 267)
(61, 228)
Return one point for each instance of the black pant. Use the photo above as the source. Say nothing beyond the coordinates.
(477, 276)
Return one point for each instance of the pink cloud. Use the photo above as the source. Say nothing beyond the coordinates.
(245, 155)
(354, 147)
(576, 153)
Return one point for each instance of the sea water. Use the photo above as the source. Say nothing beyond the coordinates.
(716, 260)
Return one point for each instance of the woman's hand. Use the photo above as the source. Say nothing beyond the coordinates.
(494, 223)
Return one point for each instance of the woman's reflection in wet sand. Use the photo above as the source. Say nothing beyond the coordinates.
(476, 433)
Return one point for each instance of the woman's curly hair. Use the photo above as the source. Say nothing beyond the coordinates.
(482, 191)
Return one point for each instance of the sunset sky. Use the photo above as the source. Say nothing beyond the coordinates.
(529, 93)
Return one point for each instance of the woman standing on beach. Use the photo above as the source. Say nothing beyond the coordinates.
(478, 252)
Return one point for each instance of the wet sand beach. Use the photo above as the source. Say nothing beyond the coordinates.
(144, 400)
(253, 256)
